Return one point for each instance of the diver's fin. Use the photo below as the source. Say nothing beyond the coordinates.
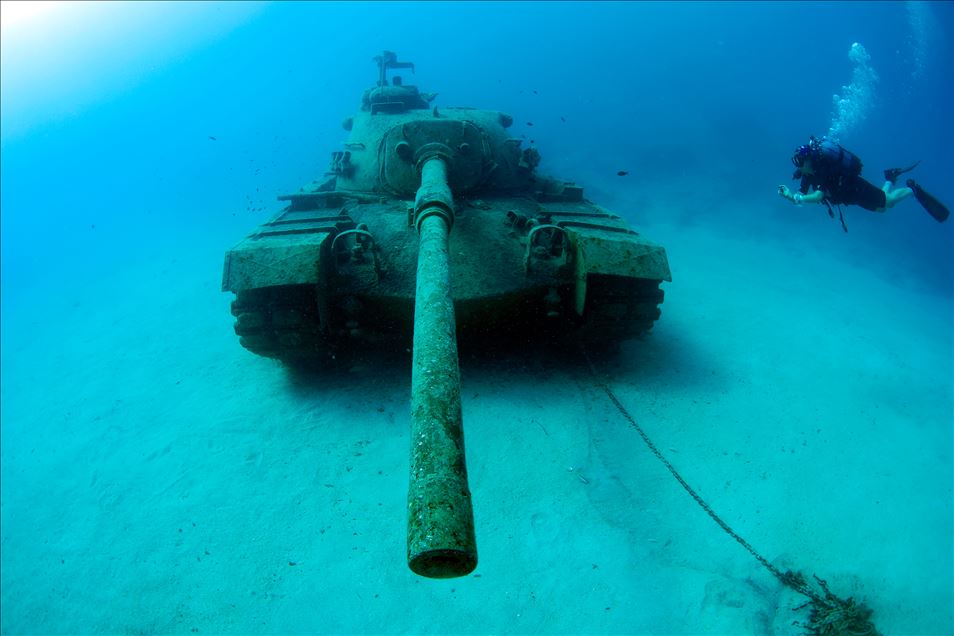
(927, 200)
(891, 174)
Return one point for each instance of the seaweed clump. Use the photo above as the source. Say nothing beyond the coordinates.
(831, 615)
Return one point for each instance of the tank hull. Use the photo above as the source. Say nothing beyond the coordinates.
(310, 282)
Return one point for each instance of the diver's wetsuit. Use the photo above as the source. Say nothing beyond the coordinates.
(843, 189)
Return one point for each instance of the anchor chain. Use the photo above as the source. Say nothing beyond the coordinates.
(830, 615)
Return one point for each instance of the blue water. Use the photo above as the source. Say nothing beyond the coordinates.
(115, 199)
(120, 115)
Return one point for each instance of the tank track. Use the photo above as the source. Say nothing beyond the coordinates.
(618, 308)
(283, 322)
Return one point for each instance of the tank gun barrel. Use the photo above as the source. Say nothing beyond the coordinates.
(440, 538)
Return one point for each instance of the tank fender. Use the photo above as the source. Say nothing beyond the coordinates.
(617, 254)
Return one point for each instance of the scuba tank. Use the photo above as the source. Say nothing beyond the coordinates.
(836, 158)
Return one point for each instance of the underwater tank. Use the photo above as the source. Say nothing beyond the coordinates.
(433, 225)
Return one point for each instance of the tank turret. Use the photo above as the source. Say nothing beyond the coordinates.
(432, 224)
(397, 125)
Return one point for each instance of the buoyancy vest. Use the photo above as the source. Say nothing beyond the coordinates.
(836, 160)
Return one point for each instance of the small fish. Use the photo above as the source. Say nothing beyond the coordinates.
(622, 173)
(563, 119)
(212, 138)
(531, 141)
(534, 92)
(529, 123)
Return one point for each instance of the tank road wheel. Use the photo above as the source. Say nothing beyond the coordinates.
(281, 323)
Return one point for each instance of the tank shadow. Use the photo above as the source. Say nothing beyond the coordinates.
(662, 358)
(665, 357)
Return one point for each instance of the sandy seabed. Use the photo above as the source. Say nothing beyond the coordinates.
(158, 478)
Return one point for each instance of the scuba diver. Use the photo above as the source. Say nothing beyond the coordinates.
(831, 175)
